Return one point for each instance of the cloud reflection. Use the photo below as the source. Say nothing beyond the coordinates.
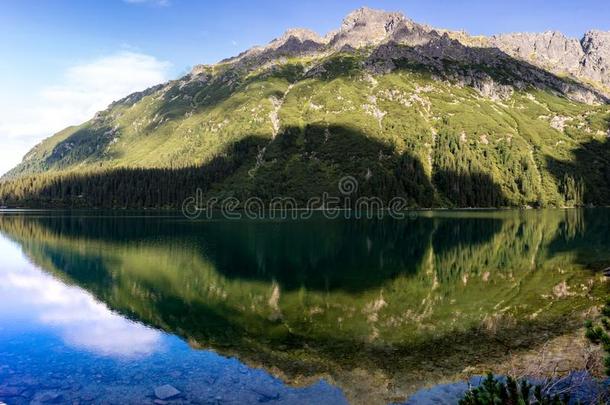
(81, 320)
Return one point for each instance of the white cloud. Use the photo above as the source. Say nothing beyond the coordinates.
(74, 314)
(85, 89)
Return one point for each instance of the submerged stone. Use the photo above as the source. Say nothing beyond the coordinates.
(10, 391)
(47, 397)
(266, 394)
(166, 392)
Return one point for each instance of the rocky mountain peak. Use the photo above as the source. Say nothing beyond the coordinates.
(549, 47)
(328, 106)
(595, 64)
(596, 41)
(301, 35)
(372, 19)
(392, 33)
(294, 41)
(587, 59)
(366, 26)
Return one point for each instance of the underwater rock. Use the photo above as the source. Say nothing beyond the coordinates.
(166, 392)
(6, 391)
(266, 394)
(47, 397)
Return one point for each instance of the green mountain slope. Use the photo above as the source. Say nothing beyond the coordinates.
(405, 110)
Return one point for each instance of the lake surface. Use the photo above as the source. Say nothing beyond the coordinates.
(102, 307)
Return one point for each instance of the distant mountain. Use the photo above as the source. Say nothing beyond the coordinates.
(438, 117)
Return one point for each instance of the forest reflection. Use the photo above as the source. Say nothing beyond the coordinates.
(321, 296)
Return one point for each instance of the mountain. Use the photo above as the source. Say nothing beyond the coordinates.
(587, 59)
(438, 117)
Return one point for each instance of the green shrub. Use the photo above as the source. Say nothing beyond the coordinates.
(599, 334)
(495, 392)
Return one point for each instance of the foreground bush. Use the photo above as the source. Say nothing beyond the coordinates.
(495, 392)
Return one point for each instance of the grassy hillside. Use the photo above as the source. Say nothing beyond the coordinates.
(295, 126)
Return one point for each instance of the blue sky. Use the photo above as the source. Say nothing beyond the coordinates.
(52, 51)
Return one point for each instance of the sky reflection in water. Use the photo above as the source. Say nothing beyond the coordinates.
(34, 299)
(106, 306)
(58, 339)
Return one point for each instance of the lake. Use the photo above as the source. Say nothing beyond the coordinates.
(103, 307)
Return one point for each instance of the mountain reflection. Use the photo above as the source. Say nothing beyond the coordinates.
(335, 297)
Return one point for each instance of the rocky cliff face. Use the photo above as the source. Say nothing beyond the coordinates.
(596, 62)
(365, 27)
(587, 59)
(542, 55)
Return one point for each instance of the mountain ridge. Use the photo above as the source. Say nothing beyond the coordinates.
(587, 58)
(401, 98)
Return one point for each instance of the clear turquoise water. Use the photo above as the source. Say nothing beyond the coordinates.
(60, 340)
(104, 308)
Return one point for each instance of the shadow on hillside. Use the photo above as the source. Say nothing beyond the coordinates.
(126, 187)
(469, 190)
(450, 60)
(300, 163)
(441, 57)
(585, 179)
